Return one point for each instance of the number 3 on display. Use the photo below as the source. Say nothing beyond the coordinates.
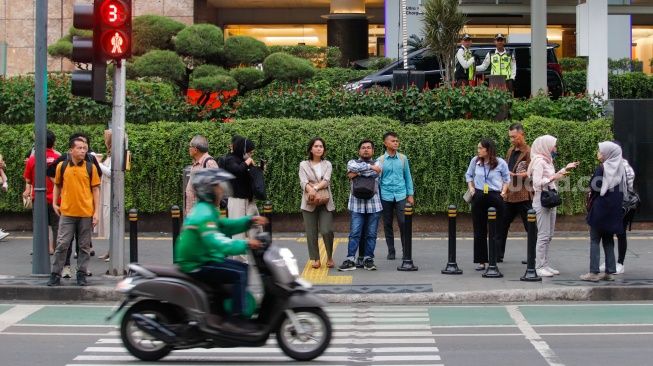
(113, 13)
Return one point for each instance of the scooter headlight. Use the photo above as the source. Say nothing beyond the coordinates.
(125, 285)
(289, 260)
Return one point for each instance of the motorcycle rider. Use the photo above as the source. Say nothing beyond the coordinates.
(205, 240)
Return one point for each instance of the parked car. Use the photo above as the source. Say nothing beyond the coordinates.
(423, 60)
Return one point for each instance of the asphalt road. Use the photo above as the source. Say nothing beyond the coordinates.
(542, 334)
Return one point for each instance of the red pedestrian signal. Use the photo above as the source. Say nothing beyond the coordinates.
(114, 28)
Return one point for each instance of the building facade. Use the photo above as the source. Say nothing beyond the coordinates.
(366, 27)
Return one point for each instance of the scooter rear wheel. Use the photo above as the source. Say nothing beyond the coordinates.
(314, 340)
(140, 344)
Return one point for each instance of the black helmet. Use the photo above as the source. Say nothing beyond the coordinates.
(205, 180)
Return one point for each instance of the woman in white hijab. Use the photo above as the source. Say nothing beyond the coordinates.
(543, 175)
(605, 210)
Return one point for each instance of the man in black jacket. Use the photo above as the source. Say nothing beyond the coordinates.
(241, 202)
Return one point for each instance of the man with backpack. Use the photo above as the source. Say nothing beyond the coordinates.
(364, 206)
(90, 160)
(79, 190)
(198, 149)
(396, 185)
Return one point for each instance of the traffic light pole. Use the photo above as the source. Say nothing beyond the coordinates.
(117, 235)
(40, 257)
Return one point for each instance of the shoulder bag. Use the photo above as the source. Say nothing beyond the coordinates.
(322, 196)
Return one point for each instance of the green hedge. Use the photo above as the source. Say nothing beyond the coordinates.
(629, 85)
(439, 154)
(146, 102)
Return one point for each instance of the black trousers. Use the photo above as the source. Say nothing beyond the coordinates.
(390, 209)
(512, 210)
(480, 204)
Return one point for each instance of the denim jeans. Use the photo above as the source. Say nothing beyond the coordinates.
(229, 271)
(363, 223)
(596, 237)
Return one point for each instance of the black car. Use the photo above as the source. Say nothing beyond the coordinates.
(423, 60)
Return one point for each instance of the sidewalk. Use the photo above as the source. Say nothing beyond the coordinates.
(569, 253)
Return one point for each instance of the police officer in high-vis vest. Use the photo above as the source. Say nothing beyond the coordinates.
(465, 62)
(502, 61)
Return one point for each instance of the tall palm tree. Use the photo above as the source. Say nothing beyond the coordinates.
(442, 26)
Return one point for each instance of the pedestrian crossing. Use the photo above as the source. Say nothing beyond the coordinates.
(363, 335)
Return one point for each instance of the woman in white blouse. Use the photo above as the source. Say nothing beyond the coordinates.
(315, 175)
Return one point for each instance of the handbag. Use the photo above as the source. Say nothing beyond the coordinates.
(550, 198)
(468, 196)
(257, 181)
(322, 195)
(27, 202)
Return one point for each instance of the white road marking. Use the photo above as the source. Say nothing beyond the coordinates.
(16, 314)
(55, 334)
(253, 350)
(250, 358)
(538, 343)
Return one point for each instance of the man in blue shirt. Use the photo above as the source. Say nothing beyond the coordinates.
(365, 212)
(396, 185)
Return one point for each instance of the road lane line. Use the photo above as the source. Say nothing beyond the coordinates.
(54, 334)
(16, 314)
(527, 330)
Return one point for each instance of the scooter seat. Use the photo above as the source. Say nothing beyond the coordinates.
(167, 271)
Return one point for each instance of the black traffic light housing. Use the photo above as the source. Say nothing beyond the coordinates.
(88, 83)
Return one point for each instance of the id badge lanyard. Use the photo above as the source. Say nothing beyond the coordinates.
(486, 186)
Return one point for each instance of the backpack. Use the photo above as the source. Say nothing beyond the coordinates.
(207, 160)
(402, 157)
(89, 170)
(363, 187)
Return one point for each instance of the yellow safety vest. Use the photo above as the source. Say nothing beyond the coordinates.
(501, 64)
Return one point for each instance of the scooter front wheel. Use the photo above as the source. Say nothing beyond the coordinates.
(308, 342)
(140, 344)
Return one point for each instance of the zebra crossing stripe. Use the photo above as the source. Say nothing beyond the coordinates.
(274, 350)
(250, 358)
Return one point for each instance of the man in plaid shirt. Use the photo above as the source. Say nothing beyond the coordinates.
(365, 213)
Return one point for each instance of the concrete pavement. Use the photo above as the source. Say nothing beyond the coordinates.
(569, 252)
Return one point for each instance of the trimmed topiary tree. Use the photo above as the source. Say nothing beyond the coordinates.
(243, 50)
(208, 70)
(161, 63)
(282, 66)
(199, 43)
(154, 32)
(248, 78)
(64, 46)
(213, 84)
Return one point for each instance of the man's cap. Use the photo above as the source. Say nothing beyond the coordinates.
(500, 36)
(466, 36)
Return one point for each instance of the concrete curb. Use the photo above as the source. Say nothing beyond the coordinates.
(107, 294)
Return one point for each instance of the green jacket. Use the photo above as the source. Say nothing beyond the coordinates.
(205, 237)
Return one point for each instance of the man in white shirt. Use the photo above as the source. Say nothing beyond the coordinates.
(465, 62)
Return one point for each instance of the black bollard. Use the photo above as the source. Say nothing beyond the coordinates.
(267, 212)
(531, 273)
(407, 243)
(452, 266)
(175, 213)
(133, 235)
(492, 270)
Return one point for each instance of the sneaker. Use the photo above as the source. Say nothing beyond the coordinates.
(553, 270)
(620, 268)
(75, 255)
(391, 256)
(3, 234)
(66, 273)
(359, 262)
(544, 272)
(607, 277)
(347, 265)
(369, 264)
(591, 277)
(92, 253)
(55, 280)
(89, 273)
(602, 267)
(81, 278)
